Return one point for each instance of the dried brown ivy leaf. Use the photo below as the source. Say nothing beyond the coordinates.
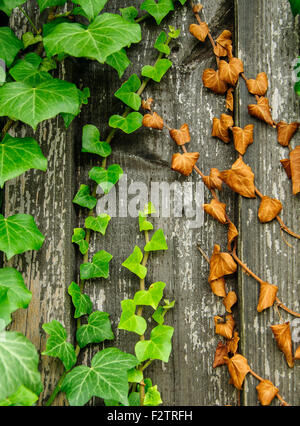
(233, 343)
(262, 111)
(242, 138)
(269, 209)
(223, 43)
(146, 105)
(286, 164)
(224, 329)
(266, 392)
(238, 369)
(221, 351)
(240, 179)
(282, 334)
(181, 136)
(154, 121)
(221, 127)
(217, 210)
(199, 31)
(286, 131)
(218, 287)
(232, 234)
(267, 296)
(229, 99)
(229, 301)
(197, 8)
(221, 264)
(184, 163)
(297, 353)
(213, 181)
(295, 169)
(229, 72)
(259, 86)
(212, 80)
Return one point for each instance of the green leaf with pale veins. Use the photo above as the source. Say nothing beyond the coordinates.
(106, 178)
(82, 303)
(135, 376)
(98, 224)
(295, 5)
(57, 345)
(130, 13)
(127, 94)
(152, 397)
(15, 294)
(158, 347)
(157, 242)
(98, 268)
(158, 9)
(18, 234)
(43, 4)
(157, 72)
(97, 330)
(133, 263)
(144, 224)
(29, 39)
(106, 35)
(91, 8)
(26, 72)
(128, 124)
(161, 45)
(119, 61)
(150, 297)
(107, 378)
(17, 155)
(8, 5)
(18, 364)
(23, 397)
(78, 237)
(91, 142)
(10, 45)
(84, 198)
(129, 321)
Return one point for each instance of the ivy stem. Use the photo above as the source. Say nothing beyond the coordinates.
(142, 18)
(29, 20)
(6, 127)
(56, 390)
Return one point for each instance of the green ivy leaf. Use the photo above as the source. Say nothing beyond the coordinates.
(17, 155)
(98, 224)
(8, 5)
(106, 178)
(157, 72)
(23, 397)
(99, 268)
(161, 45)
(297, 88)
(150, 297)
(106, 35)
(43, 4)
(119, 61)
(91, 142)
(15, 294)
(134, 399)
(158, 347)
(127, 94)
(128, 124)
(21, 101)
(9, 45)
(97, 330)
(20, 367)
(133, 263)
(2, 73)
(158, 242)
(129, 320)
(78, 237)
(182, 2)
(84, 198)
(82, 303)
(29, 73)
(91, 8)
(159, 10)
(129, 13)
(135, 376)
(295, 5)
(18, 234)
(173, 32)
(144, 224)
(48, 64)
(149, 209)
(107, 378)
(29, 39)
(57, 346)
(152, 397)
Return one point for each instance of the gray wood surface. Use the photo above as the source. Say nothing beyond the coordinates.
(145, 156)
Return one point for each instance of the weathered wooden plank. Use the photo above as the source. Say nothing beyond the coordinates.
(268, 40)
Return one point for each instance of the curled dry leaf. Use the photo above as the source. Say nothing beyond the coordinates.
(184, 163)
(229, 301)
(229, 72)
(154, 121)
(242, 138)
(262, 111)
(295, 169)
(267, 296)
(226, 328)
(238, 369)
(146, 105)
(221, 351)
(218, 287)
(217, 210)
(197, 8)
(286, 131)
(213, 181)
(286, 164)
(221, 127)
(233, 343)
(221, 264)
(229, 99)
(212, 80)
(297, 353)
(181, 136)
(240, 179)
(259, 86)
(266, 392)
(282, 334)
(269, 209)
(231, 234)
(199, 31)
(223, 44)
